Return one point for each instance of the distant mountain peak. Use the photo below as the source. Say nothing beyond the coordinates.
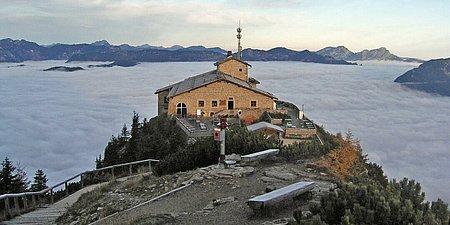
(432, 76)
(175, 47)
(101, 43)
(381, 53)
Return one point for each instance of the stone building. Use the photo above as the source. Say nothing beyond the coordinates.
(227, 90)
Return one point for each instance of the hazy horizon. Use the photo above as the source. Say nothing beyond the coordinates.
(168, 46)
(407, 28)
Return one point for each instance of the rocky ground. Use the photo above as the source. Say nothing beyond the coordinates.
(215, 196)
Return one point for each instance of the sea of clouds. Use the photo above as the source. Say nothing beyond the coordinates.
(60, 122)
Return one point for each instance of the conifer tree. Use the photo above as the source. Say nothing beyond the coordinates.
(99, 162)
(130, 152)
(123, 136)
(40, 181)
(7, 176)
(113, 152)
(12, 179)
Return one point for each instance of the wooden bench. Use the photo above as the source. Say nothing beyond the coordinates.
(271, 199)
(259, 155)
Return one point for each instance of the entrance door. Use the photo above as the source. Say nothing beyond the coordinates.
(181, 109)
(230, 103)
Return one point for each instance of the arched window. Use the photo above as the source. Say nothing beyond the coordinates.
(181, 109)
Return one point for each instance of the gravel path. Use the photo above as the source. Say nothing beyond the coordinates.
(194, 204)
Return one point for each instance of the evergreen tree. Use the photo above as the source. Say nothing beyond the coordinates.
(125, 133)
(114, 151)
(7, 176)
(40, 181)
(131, 154)
(12, 180)
(159, 137)
(22, 182)
(99, 162)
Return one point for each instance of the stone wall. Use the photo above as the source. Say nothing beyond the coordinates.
(221, 92)
(234, 68)
(299, 133)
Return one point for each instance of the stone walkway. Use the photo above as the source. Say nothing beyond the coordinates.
(48, 215)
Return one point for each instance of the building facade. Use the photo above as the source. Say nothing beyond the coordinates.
(227, 90)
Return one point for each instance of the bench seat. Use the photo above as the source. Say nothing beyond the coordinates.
(273, 197)
(259, 155)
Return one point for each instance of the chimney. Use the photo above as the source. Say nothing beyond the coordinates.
(229, 53)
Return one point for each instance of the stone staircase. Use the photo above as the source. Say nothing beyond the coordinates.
(193, 131)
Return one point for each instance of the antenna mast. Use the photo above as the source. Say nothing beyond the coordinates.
(239, 30)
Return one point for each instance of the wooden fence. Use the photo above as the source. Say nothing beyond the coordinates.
(17, 203)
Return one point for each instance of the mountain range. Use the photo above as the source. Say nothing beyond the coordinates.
(432, 76)
(342, 53)
(22, 50)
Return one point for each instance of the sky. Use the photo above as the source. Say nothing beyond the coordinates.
(412, 28)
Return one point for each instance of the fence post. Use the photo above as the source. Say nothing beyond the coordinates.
(130, 169)
(51, 196)
(149, 166)
(7, 208)
(25, 202)
(38, 199)
(67, 189)
(16, 206)
(81, 181)
(112, 172)
(33, 201)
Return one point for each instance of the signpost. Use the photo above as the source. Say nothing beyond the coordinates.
(219, 135)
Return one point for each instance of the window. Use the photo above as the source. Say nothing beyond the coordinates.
(181, 109)
(214, 103)
(230, 103)
(201, 103)
(211, 114)
(253, 104)
(240, 69)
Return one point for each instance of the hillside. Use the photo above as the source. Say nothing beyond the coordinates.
(432, 76)
(284, 54)
(212, 196)
(347, 186)
(22, 50)
(342, 53)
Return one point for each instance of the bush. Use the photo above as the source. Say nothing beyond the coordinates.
(239, 140)
(156, 138)
(279, 116)
(203, 152)
(304, 150)
(368, 202)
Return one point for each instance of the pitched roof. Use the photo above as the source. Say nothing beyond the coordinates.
(230, 58)
(262, 125)
(207, 78)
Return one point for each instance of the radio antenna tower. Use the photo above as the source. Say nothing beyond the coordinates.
(239, 36)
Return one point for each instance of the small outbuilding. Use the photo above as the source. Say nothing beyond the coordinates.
(267, 128)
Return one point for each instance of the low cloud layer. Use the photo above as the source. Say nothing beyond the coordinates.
(405, 131)
(60, 122)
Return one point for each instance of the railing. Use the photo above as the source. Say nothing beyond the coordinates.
(21, 201)
(191, 130)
